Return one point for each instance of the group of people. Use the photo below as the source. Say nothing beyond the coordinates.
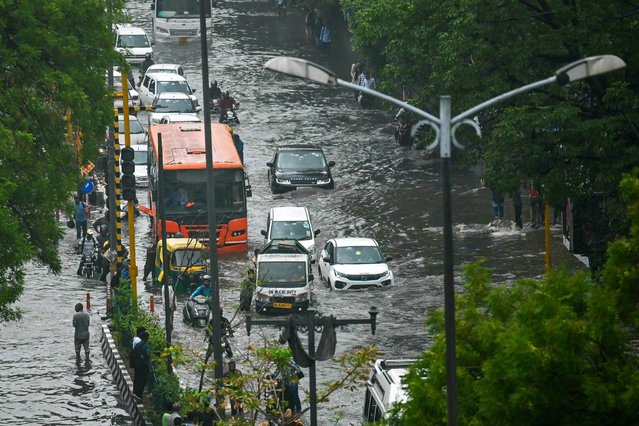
(320, 31)
(364, 79)
(223, 101)
(536, 206)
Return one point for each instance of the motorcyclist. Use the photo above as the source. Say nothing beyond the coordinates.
(226, 103)
(404, 121)
(146, 63)
(214, 91)
(87, 248)
(203, 289)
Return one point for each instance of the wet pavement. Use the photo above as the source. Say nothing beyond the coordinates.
(392, 194)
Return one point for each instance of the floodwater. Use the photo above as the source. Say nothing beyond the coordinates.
(392, 194)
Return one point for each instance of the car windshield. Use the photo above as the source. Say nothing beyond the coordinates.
(135, 128)
(290, 230)
(174, 105)
(282, 274)
(301, 160)
(188, 258)
(174, 86)
(358, 255)
(140, 158)
(136, 40)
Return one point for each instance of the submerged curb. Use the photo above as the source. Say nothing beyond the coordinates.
(121, 377)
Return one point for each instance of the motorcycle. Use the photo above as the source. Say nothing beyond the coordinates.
(402, 133)
(227, 333)
(196, 311)
(89, 267)
(229, 116)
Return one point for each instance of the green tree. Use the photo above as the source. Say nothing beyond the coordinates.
(55, 55)
(577, 140)
(548, 352)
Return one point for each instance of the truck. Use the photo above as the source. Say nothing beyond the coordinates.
(283, 278)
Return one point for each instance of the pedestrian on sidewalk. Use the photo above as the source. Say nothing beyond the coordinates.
(81, 322)
(140, 360)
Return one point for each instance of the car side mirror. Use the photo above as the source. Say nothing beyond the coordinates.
(311, 277)
(198, 108)
(269, 164)
(152, 6)
(249, 192)
(316, 233)
(312, 261)
(388, 258)
(263, 232)
(331, 163)
(326, 259)
(192, 90)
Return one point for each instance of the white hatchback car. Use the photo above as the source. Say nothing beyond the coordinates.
(137, 132)
(156, 83)
(133, 43)
(291, 223)
(352, 263)
(141, 170)
(172, 103)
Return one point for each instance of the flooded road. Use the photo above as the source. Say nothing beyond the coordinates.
(382, 191)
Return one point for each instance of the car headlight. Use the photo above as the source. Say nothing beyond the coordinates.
(301, 297)
(262, 298)
(162, 30)
(324, 181)
(283, 181)
(340, 274)
(386, 273)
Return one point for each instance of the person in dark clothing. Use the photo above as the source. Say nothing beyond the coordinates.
(516, 196)
(215, 92)
(230, 380)
(239, 146)
(149, 262)
(140, 360)
(81, 321)
(146, 63)
(292, 378)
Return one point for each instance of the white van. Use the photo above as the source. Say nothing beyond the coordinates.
(385, 388)
(133, 43)
(154, 84)
(291, 223)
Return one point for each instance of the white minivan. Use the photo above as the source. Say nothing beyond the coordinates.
(133, 43)
(156, 83)
(291, 223)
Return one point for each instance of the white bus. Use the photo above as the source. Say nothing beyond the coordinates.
(384, 388)
(178, 19)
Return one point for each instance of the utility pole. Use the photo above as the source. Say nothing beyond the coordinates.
(309, 323)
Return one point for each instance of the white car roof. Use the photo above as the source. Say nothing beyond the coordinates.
(289, 213)
(131, 117)
(358, 242)
(168, 68)
(173, 95)
(181, 118)
(166, 76)
(129, 30)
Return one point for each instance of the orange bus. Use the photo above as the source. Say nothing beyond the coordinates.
(185, 202)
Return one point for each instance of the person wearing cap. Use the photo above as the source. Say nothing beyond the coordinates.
(87, 248)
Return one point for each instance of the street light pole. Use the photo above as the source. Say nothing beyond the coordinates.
(445, 128)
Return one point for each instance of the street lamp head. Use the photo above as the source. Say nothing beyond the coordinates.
(588, 67)
(302, 68)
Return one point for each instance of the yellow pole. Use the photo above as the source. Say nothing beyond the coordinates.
(547, 232)
(133, 268)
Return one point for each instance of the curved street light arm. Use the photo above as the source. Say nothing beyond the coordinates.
(474, 110)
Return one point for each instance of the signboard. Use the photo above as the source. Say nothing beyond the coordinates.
(86, 169)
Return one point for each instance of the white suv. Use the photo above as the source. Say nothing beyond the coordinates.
(156, 83)
(133, 43)
(351, 263)
(172, 103)
(291, 223)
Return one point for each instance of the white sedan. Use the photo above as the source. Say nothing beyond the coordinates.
(351, 263)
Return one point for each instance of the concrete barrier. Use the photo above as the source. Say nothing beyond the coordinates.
(121, 377)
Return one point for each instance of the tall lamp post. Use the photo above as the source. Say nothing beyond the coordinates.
(445, 128)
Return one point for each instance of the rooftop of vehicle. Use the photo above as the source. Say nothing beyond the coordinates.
(289, 213)
(355, 242)
(282, 257)
(129, 30)
(298, 147)
(166, 76)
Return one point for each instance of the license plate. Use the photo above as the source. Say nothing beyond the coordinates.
(282, 305)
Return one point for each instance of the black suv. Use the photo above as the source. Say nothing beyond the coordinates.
(295, 166)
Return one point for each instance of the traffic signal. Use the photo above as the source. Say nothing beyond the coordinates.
(127, 165)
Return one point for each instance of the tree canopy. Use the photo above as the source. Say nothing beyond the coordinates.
(55, 56)
(577, 140)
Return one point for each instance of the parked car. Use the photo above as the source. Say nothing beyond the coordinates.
(154, 84)
(133, 43)
(296, 166)
(172, 103)
(291, 223)
(134, 97)
(351, 263)
(140, 160)
(136, 130)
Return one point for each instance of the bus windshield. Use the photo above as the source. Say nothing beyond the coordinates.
(185, 191)
(181, 9)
